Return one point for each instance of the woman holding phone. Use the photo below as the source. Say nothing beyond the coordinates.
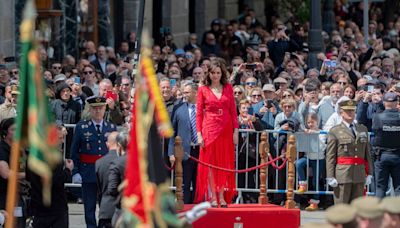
(217, 133)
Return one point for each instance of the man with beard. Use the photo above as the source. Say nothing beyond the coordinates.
(8, 108)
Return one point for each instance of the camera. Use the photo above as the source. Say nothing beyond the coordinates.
(251, 66)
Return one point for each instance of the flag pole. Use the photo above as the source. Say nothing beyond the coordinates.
(12, 188)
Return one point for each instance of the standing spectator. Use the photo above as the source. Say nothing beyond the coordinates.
(66, 111)
(90, 51)
(370, 105)
(101, 62)
(87, 147)
(9, 108)
(56, 214)
(327, 107)
(184, 121)
(217, 132)
(56, 68)
(192, 43)
(279, 45)
(90, 79)
(215, 30)
(106, 201)
(255, 95)
(210, 46)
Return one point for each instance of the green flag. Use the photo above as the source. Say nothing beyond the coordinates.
(35, 127)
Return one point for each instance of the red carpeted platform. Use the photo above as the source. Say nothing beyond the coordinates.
(249, 215)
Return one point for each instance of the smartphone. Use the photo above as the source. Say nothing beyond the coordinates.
(250, 111)
(112, 95)
(77, 80)
(251, 66)
(370, 89)
(269, 104)
(172, 82)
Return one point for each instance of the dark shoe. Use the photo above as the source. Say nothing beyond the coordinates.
(79, 201)
(223, 204)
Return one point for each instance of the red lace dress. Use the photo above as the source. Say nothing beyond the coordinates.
(216, 120)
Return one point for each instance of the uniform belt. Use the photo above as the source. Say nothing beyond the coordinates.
(89, 158)
(350, 161)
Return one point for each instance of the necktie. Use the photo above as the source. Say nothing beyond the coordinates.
(193, 124)
(352, 129)
(98, 128)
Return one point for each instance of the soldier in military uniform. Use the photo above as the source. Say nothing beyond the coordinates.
(89, 145)
(347, 156)
(368, 211)
(386, 126)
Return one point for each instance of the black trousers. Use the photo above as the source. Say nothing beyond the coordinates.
(51, 221)
(189, 175)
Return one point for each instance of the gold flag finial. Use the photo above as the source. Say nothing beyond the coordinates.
(27, 27)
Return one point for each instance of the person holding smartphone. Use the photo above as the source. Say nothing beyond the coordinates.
(266, 109)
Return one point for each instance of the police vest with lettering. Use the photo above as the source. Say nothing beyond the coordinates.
(386, 126)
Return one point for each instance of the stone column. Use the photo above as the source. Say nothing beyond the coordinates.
(176, 16)
(7, 28)
(131, 16)
(206, 11)
(228, 9)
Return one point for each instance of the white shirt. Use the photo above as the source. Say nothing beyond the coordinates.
(190, 109)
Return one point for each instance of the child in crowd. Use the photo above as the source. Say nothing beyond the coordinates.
(314, 145)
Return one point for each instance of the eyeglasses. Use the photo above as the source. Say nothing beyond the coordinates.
(342, 83)
(87, 72)
(251, 83)
(286, 95)
(56, 67)
(14, 72)
(238, 92)
(256, 95)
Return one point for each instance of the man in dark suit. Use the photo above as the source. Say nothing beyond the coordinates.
(89, 145)
(102, 166)
(101, 61)
(184, 121)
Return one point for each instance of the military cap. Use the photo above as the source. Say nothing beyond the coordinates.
(391, 204)
(367, 207)
(14, 90)
(390, 97)
(348, 105)
(96, 101)
(340, 214)
(317, 225)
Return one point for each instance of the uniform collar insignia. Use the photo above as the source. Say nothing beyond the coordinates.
(105, 123)
(90, 123)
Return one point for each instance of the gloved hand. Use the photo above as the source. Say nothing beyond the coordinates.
(2, 218)
(77, 179)
(332, 182)
(197, 212)
(368, 180)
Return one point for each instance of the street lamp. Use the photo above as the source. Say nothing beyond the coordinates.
(315, 43)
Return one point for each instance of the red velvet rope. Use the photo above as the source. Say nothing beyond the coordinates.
(241, 170)
(169, 168)
(275, 166)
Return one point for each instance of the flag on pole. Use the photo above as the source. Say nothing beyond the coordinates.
(146, 195)
(35, 126)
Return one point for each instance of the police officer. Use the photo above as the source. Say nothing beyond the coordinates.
(386, 126)
(347, 156)
(89, 145)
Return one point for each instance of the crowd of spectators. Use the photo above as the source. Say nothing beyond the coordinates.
(274, 88)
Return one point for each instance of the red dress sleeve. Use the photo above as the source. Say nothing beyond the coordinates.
(232, 106)
(200, 109)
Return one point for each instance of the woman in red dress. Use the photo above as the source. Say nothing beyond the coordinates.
(217, 133)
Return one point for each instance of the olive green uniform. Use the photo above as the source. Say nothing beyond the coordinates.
(350, 177)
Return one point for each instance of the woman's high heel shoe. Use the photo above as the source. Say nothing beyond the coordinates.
(223, 204)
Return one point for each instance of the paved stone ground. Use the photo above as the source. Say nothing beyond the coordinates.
(77, 220)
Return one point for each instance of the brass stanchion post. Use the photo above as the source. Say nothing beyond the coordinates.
(178, 173)
(264, 150)
(291, 156)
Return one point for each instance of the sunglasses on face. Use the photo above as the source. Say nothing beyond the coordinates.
(251, 83)
(56, 67)
(14, 72)
(87, 72)
(286, 95)
(256, 95)
(237, 92)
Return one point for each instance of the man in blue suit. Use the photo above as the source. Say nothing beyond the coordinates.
(89, 145)
(184, 123)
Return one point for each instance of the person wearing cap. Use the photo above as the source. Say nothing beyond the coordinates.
(391, 211)
(266, 109)
(89, 145)
(341, 216)
(347, 156)
(386, 146)
(9, 108)
(369, 214)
